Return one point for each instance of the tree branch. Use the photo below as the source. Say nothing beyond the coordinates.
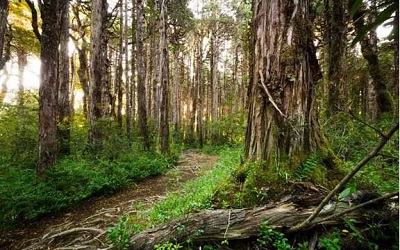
(35, 25)
(306, 223)
(333, 216)
(366, 124)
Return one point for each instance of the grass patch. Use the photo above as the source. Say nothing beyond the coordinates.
(195, 195)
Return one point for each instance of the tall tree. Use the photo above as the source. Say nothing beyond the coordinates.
(98, 69)
(49, 39)
(281, 119)
(335, 42)
(64, 106)
(3, 26)
(369, 51)
(141, 90)
(164, 81)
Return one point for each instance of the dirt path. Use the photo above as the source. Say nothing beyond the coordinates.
(85, 226)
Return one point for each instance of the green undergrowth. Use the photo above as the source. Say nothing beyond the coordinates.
(195, 195)
(352, 140)
(74, 179)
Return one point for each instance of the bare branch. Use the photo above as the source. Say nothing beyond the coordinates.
(35, 25)
(333, 216)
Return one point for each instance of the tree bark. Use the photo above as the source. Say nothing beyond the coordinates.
(142, 113)
(164, 82)
(98, 72)
(3, 29)
(335, 40)
(281, 120)
(48, 86)
(237, 224)
(64, 104)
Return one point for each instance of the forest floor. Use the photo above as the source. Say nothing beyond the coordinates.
(85, 226)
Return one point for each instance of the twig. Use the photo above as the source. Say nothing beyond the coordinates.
(269, 95)
(306, 223)
(333, 216)
(229, 223)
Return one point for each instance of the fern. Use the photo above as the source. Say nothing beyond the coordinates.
(306, 168)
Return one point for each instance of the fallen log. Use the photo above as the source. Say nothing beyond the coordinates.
(221, 224)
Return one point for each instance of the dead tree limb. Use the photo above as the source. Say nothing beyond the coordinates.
(308, 222)
(230, 224)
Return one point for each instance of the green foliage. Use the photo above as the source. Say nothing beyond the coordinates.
(18, 132)
(195, 195)
(168, 246)
(73, 179)
(119, 235)
(332, 243)
(268, 237)
(310, 169)
(229, 129)
(352, 140)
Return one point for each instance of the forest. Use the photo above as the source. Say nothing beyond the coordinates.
(199, 124)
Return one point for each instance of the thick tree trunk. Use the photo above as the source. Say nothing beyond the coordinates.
(64, 106)
(281, 121)
(48, 86)
(98, 71)
(164, 83)
(335, 40)
(142, 113)
(3, 29)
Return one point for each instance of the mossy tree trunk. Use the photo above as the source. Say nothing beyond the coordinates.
(335, 42)
(282, 120)
(369, 51)
(98, 70)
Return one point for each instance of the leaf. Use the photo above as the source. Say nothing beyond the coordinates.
(348, 191)
(355, 6)
(382, 17)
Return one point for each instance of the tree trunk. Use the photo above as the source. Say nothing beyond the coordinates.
(175, 98)
(199, 91)
(142, 113)
(214, 83)
(83, 78)
(128, 82)
(369, 52)
(335, 40)
(237, 224)
(164, 83)
(48, 87)
(22, 62)
(64, 106)
(3, 29)
(119, 72)
(98, 71)
(281, 121)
